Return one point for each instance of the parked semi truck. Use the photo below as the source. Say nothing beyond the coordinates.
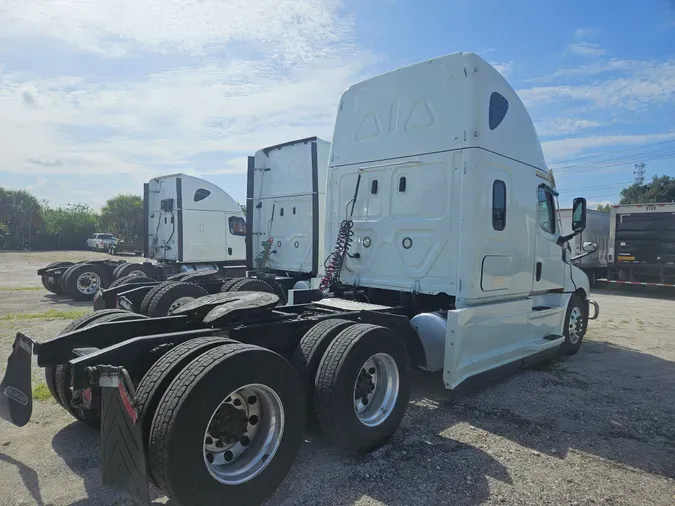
(189, 225)
(284, 236)
(445, 254)
(589, 250)
(642, 245)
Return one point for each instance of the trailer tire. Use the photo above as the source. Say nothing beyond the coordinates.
(342, 376)
(54, 286)
(265, 382)
(251, 285)
(308, 355)
(158, 378)
(61, 373)
(125, 269)
(83, 281)
(576, 322)
(169, 298)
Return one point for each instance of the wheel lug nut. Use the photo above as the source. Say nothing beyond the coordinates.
(209, 441)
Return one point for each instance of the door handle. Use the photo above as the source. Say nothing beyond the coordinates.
(538, 271)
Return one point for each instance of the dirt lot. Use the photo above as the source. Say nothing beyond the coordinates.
(596, 428)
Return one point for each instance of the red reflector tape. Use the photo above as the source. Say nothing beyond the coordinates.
(127, 402)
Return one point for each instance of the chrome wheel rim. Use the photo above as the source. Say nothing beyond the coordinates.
(244, 434)
(376, 390)
(180, 302)
(88, 283)
(574, 325)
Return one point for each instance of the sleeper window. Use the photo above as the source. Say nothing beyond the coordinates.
(201, 194)
(498, 108)
(237, 225)
(546, 210)
(499, 205)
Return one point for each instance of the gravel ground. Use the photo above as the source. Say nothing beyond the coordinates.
(596, 428)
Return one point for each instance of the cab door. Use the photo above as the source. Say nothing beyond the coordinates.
(549, 268)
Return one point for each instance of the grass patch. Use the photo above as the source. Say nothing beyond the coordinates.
(42, 393)
(52, 314)
(20, 288)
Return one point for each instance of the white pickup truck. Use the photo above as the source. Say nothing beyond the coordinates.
(101, 242)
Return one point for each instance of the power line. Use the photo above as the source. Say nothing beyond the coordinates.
(615, 151)
(598, 187)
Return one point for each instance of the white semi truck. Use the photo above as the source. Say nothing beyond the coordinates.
(189, 225)
(449, 257)
(282, 237)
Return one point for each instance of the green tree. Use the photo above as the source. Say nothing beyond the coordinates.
(605, 208)
(68, 227)
(123, 215)
(660, 189)
(21, 215)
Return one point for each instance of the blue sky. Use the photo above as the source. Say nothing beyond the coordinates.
(97, 96)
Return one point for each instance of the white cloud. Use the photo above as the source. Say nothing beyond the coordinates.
(563, 126)
(583, 33)
(586, 49)
(565, 148)
(246, 75)
(652, 83)
(596, 68)
(292, 28)
(504, 68)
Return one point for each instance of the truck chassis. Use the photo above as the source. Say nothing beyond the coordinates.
(242, 323)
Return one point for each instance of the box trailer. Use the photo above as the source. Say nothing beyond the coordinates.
(593, 263)
(642, 245)
(445, 254)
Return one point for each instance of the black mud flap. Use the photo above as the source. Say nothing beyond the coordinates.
(16, 395)
(122, 453)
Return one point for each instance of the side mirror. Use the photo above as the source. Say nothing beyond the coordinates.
(579, 215)
(590, 246)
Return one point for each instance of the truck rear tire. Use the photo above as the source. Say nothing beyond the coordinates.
(136, 277)
(90, 417)
(229, 283)
(362, 388)
(250, 285)
(309, 353)
(228, 428)
(81, 322)
(172, 296)
(54, 286)
(126, 269)
(158, 378)
(145, 304)
(83, 281)
(576, 322)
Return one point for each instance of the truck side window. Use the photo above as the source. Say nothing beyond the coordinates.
(237, 225)
(546, 210)
(499, 205)
(497, 110)
(201, 194)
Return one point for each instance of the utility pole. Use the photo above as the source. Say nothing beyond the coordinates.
(639, 173)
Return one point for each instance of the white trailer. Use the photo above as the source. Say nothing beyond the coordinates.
(449, 257)
(589, 250)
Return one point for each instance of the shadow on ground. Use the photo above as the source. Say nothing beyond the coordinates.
(78, 446)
